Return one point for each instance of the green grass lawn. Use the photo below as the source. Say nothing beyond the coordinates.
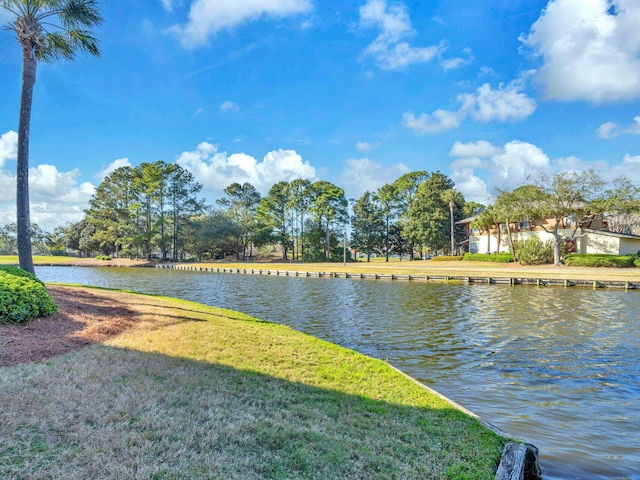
(199, 392)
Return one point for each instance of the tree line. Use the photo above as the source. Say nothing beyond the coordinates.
(154, 211)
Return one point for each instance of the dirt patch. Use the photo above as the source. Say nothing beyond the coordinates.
(85, 317)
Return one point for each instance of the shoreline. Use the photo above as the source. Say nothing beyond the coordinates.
(417, 268)
(156, 321)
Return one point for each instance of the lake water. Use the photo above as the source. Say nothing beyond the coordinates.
(556, 367)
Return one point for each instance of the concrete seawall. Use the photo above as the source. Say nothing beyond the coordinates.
(510, 280)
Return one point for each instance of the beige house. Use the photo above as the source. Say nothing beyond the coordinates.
(592, 237)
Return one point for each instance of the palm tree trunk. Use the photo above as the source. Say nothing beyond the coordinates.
(386, 241)
(22, 169)
(453, 238)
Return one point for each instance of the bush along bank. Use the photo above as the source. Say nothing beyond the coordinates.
(23, 296)
(593, 260)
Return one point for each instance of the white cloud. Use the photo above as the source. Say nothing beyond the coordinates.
(55, 197)
(388, 50)
(366, 146)
(117, 163)
(504, 167)
(590, 49)
(438, 121)
(167, 5)
(506, 103)
(8, 147)
(608, 130)
(473, 188)
(481, 148)
(363, 174)
(208, 17)
(635, 126)
(217, 170)
(480, 168)
(457, 62)
(611, 130)
(518, 161)
(229, 106)
(628, 168)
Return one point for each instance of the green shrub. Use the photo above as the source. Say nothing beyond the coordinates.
(447, 258)
(103, 257)
(23, 298)
(597, 260)
(636, 262)
(488, 257)
(533, 252)
(18, 272)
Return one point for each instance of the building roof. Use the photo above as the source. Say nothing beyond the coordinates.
(612, 234)
(466, 220)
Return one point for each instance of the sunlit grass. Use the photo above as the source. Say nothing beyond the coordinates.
(53, 259)
(200, 392)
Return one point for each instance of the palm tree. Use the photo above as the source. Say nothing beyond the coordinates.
(451, 196)
(46, 30)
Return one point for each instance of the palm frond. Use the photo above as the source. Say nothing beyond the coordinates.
(80, 13)
(55, 28)
(83, 40)
(57, 46)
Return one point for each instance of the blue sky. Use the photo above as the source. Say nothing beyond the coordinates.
(355, 92)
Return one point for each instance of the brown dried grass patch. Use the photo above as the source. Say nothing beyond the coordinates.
(85, 317)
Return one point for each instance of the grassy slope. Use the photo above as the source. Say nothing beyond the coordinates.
(199, 392)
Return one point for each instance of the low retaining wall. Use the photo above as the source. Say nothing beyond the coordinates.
(540, 282)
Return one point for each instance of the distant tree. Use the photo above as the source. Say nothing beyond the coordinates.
(471, 209)
(513, 206)
(368, 228)
(241, 203)
(406, 189)
(212, 233)
(110, 209)
(46, 30)
(183, 202)
(397, 242)
(274, 211)
(388, 202)
(486, 220)
(620, 205)
(428, 223)
(569, 200)
(328, 206)
(9, 239)
(299, 202)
